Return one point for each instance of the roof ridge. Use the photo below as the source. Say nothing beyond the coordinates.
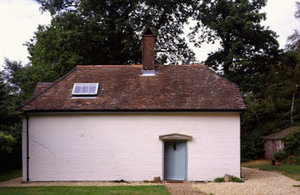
(108, 65)
(53, 83)
(135, 65)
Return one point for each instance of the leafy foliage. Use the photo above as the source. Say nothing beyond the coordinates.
(292, 145)
(279, 155)
(10, 127)
(219, 179)
(237, 180)
(247, 47)
(7, 142)
(234, 179)
(108, 32)
(274, 103)
(275, 106)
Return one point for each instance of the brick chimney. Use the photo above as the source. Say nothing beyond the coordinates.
(148, 53)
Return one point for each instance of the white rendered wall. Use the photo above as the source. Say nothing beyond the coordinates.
(24, 151)
(102, 147)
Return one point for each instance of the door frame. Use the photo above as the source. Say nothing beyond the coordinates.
(186, 158)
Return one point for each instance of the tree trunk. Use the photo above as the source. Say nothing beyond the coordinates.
(292, 105)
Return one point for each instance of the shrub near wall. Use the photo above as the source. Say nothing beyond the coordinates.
(10, 152)
(279, 155)
(292, 145)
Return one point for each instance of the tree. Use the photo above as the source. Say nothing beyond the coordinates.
(247, 47)
(276, 105)
(294, 40)
(292, 145)
(108, 32)
(17, 86)
(4, 95)
(21, 80)
(10, 133)
(293, 61)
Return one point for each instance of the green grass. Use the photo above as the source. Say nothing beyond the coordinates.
(99, 190)
(10, 175)
(292, 171)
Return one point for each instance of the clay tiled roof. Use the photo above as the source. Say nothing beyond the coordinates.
(40, 87)
(281, 134)
(121, 87)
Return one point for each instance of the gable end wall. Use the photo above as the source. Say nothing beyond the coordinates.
(105, 147)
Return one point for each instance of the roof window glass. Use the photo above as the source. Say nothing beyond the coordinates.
(85, 89)
(148, 73)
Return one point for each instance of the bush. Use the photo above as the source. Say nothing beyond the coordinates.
(292, 145)
(7, 142)
(236, 179)
(219, 179)
(10, 152)
(280, 155)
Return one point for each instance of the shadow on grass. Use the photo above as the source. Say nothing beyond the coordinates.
(289, 170)
(10, 175)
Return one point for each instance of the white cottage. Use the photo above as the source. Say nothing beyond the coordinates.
(133, 122)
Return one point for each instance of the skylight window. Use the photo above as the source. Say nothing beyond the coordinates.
(148, 73)
(85, 89)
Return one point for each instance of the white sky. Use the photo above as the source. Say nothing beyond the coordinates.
(19, 20)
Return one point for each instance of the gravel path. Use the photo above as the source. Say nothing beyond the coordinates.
(256, 183)
(182, 189)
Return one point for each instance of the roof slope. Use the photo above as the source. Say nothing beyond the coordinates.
(121, 87)
(281, 134)
(40, 87)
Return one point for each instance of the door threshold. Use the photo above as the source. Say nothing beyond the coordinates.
(174, 181)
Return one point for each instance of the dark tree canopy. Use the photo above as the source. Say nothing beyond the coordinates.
(246, 46)
(276, 105)
(10, 124)
(109, 32)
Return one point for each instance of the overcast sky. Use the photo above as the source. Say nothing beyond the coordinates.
(19, 20)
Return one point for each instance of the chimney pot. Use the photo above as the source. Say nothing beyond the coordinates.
(148, 53)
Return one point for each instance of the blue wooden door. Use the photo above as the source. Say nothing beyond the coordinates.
(175, 161)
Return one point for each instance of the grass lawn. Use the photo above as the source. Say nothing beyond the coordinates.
(292, 171)
(10, 174)
(99, 190)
